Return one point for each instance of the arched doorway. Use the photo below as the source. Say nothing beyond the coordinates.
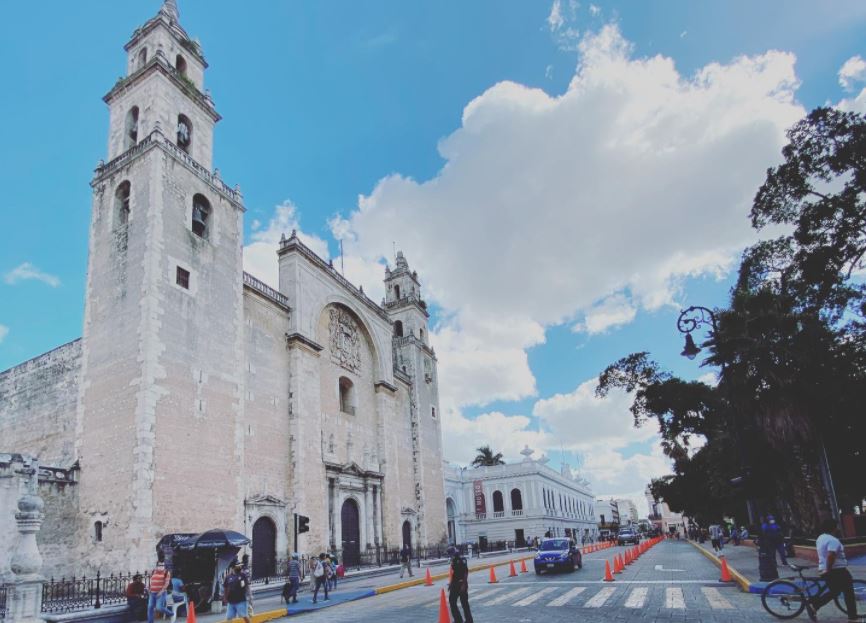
(452, 524)
(264, 548)
(351, 533)
(407, 533)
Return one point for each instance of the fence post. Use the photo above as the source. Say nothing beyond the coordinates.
(97, 604)
(24, 596)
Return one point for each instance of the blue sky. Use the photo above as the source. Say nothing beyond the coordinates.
(326, 103)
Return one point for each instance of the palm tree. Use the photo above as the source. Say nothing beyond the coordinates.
(486, 457)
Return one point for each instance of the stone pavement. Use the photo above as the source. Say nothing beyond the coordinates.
(743, 559)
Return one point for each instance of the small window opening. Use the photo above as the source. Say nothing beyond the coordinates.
(184, 133)
(397, 292)
(142, 57)
(121, 200)
(421, 333)
(347, 396)
(131, 127)
(97, 531)
(398, 329)
(200, 215)
(180, 65)
(182, 278)
(433, 410)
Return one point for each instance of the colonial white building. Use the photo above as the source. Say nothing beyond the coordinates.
(627, 511)
(200, 397)
(663, 518)
(607, 514)
(517, 502)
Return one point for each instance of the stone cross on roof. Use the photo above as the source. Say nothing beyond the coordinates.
(169, 9)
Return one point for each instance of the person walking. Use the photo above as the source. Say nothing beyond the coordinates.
(406, 560)
(236, 592)
(290, 590)
(833, 568)
(320, 576)
(772, 532)
(332, 561)
(159, 582)
(716, 538)
(458, 589)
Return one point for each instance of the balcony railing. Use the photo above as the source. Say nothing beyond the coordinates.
(498, 514)
(480, 515)
(517, 512)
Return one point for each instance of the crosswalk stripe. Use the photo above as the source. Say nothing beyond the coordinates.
(565, 598)
(600, 597)
(498, 600)
(535, 596)
(636, 598)
(473, 592)
(717, 602)
(674, 598)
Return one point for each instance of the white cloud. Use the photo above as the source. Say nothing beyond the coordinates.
(611, 312)
(554, 18)
(27, 271)
(4, 331)
(260, 256)
(594, 10)
(634, 179)
(683, 34)
(852, 72)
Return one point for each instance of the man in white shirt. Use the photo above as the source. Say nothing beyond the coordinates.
(716, 538)
(833, 567)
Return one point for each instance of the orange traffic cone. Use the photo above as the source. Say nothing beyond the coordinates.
(617, 564)
(444, 617)
(190, 612)
(512, 572)
(492, 579)
(428, 579)
(726, 574)
(523, 568)
(607, 575)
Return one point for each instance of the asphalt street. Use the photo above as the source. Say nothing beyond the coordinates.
(672, 581)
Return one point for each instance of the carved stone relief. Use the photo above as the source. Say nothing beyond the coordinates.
(345, 340)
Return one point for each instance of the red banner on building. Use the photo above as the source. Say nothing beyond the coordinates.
(480, 504)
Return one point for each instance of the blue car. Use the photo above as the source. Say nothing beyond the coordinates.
(556, 554)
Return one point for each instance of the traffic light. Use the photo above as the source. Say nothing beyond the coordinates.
(303, 524)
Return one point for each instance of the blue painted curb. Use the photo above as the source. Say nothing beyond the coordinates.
(335, 599)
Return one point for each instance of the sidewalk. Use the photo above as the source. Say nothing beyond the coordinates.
(743, 565)
(350, 589)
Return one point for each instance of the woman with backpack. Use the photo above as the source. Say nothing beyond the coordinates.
(321, 572)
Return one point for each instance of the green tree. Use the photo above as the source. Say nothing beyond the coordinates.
(486, 457)
(790, 348)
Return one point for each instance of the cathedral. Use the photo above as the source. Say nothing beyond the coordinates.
(199, 397)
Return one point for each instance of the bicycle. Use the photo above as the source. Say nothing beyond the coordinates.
(786, 598)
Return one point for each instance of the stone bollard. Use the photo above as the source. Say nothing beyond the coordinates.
(24, 593)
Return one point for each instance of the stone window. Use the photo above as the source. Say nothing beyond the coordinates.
(397, 292)
(131, 136)
(97, 532)
(121, 203)
(421, 334)
(398, 328)
(200, 215)
(184, 133)
(182, 278)
(347, 395)
(142, 57)
(433, 411)
(498, 502)
(180, 65)
(516, 500)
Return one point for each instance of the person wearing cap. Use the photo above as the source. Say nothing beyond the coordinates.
(458, 589)
(290, 590)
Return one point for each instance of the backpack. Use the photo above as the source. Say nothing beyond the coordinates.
(320, 570)
(235, 589)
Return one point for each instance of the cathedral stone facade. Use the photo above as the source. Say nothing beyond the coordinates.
(200, 397)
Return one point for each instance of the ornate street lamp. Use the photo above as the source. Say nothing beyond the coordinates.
(693, 318)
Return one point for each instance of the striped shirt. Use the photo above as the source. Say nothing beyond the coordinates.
(294, 569)
(158, 580)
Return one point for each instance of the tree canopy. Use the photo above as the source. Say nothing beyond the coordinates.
(790, 346)
(486, 457)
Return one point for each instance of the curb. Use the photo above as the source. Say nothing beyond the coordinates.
(739, 578)
(441, 576)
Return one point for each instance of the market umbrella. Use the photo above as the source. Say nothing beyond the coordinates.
(214, 539)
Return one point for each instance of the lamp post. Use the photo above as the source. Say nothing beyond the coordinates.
(697, 317)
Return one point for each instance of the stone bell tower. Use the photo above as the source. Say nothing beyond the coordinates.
(160, 432)
(415, 359)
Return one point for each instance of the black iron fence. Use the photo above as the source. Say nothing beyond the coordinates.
(2, 603)
(70, 594)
